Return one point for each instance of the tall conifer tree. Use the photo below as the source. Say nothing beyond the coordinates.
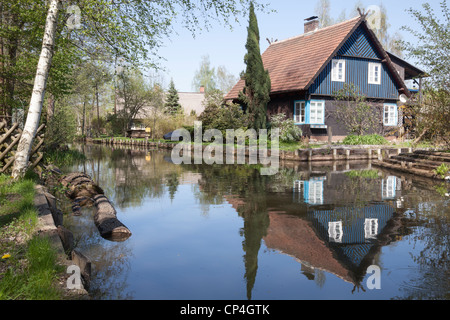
(172, 104)
(257, 80)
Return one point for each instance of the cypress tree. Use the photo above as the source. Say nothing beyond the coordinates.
(172, 104)
(256, 93)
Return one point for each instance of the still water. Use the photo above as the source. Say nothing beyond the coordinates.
(225, 232)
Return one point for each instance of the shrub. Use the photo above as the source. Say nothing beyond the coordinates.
(442, 170)
(289, 132)
(371, 139)
(222, 117)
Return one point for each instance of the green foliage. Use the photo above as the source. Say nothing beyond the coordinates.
(63, 157)
(289, 132)
(61, 129)
(431, 49)
(367, 174)
(431, 46)
(172, 104)
(371, 139)
(37, 280)
(353, 111)
(442, 170)
(222, 117)
(135, 92)
(256, 93)
(211, 78)
(442, 189)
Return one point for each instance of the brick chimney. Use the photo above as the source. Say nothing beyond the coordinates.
(202, 89)
(311, 24)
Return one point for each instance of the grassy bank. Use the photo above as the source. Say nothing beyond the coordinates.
(28, 263)
(63, 157)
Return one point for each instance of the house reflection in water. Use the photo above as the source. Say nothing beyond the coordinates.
(337, 235)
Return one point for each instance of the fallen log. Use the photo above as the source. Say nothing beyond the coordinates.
(106, 220)
(82, 189)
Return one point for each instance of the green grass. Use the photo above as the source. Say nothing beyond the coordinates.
(37, 276)
(61, 158)
(371, 139)
(367, 174)
(31, 268)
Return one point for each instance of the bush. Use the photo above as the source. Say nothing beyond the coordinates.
(371, 139)
(61, 129)
(222, 117)
(289, 132)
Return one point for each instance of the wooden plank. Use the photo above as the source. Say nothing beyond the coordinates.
(8, 164)
(36, 148)
(8, 133)
(36, 162)
(4, 153)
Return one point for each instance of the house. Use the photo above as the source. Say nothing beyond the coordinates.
(307, 70)
(191, 102)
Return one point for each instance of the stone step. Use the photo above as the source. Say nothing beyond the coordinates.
(403, 157)
(412, 164)
(441, 159)
(398, 167)
(433, 153)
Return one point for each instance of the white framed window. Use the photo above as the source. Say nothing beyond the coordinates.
(338, 70)
(300, 112)
(315, 192)
(317, 112)
(370, 228)
(374, 73)
(389, 187)
(335, 232)
(390, 115)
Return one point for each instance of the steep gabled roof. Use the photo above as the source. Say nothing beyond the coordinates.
(295, 63)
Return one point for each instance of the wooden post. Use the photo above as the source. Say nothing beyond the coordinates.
(330, 136)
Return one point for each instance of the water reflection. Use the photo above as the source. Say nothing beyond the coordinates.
(331, 218)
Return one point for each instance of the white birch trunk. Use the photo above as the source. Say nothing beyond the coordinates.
(37, 98)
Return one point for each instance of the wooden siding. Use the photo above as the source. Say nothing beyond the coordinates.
(359, 45)
(358, 51)
(356, 72)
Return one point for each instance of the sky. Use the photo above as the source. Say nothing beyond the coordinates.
(182, 52)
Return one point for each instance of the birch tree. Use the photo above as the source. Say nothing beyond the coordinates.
(130, 29)
(34, 112)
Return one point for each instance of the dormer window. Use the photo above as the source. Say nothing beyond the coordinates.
(374, 73)
(338, 70)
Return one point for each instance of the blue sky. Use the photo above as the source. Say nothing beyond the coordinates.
(226, 47)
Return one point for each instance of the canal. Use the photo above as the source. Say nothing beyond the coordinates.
(342, 230)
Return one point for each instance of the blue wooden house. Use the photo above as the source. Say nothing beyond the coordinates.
(306, 71)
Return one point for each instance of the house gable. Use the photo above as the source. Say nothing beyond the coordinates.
(359, 45)
(358, 51)
(357, 72)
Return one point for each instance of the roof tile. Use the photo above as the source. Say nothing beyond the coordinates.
(294, 62)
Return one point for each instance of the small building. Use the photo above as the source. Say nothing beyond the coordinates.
(307, 70)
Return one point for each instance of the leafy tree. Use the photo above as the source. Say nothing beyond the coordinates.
(172, 104)
(256, 92)
(132, 29)
(431, 50)
(222, 117)
(205, 76)
(135, 93)
(211, 78)
(353, 111)
(225, 80)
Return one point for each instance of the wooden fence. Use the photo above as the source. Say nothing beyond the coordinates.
(9, 139)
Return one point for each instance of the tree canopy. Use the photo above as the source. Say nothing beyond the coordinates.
(256, 93)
